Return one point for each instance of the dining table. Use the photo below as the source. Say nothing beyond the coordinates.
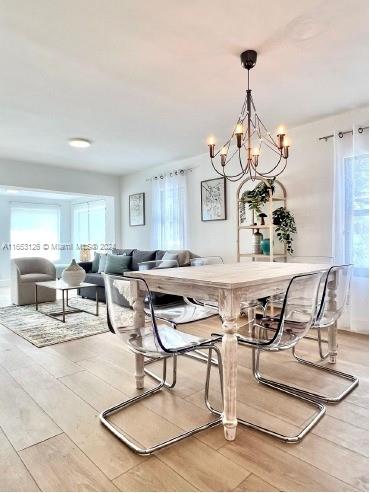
(228, 284)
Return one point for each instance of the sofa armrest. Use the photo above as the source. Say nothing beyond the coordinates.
(87, 266)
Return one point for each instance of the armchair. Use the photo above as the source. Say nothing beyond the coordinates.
(24, 273)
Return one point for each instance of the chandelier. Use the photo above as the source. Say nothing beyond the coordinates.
(240, 156)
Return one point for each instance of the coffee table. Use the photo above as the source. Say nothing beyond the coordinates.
(62, 286)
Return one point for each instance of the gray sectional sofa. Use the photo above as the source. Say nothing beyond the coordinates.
(137, 256)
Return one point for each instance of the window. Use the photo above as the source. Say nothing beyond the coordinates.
(357, 213)
(169, 212)
(32, 225)
(88, 223)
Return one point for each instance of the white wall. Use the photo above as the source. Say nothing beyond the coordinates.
(308, 180)
(54, 178)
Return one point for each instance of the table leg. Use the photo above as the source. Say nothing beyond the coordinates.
(139, 323)
(67, 298)
(229, 309)
(63, 308)
(97, 301)
(36, 300)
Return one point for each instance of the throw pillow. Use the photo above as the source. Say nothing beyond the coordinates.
(183, 256)
(139, 256)
(95, 262)
(117, 264)
(102, 262)
(168, 256)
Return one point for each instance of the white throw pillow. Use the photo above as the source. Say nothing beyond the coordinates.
(102, 262)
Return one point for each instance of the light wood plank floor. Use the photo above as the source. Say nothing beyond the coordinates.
(51, 438)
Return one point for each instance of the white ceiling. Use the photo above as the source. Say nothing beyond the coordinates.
(148, 81)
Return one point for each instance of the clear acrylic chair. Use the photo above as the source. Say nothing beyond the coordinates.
(335, 288)
(283, 332)
(153, 341)
(183, 312)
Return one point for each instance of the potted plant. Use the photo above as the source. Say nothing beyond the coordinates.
(286, 227)
(256, 198)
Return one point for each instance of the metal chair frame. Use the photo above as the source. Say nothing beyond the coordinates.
(318, 326)
(164, 384)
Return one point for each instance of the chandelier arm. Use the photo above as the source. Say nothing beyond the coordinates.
(247, 166)
(275, 175)
(267, 144)
(216, 170)
(267, 132)
(274, 168)
(237, 176)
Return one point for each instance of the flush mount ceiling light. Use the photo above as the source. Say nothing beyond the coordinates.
(241, 154)
(79, 142)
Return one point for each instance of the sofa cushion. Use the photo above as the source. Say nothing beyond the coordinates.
(117, 264)
(123, 251)
(139, 256)
(95, 262)
(36, 277)
(95, 278)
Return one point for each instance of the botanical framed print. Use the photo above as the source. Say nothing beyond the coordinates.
(213, 199)
(136, 204)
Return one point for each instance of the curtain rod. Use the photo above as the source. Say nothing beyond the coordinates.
(174, 172)
(342, 134)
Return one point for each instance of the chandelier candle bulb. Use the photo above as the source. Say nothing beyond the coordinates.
(223, 155)
(211, 144)
(239, 134)
(255, 154)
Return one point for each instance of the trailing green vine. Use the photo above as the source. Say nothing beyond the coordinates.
(286, 227)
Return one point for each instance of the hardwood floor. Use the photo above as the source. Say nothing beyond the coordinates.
(51, 438)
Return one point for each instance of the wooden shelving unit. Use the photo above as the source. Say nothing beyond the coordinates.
(279, 199)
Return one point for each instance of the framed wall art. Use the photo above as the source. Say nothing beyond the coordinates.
(213, 199)
(137, 209)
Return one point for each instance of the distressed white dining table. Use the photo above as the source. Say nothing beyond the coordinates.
(228, 284)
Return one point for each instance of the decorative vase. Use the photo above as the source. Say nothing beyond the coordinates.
(257, 238)
(74, 274)
(265, 245)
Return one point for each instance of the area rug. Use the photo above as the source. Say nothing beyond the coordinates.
(41, 330)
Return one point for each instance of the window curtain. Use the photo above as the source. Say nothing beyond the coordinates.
(169, 212)
(350, 222)
(88, 224)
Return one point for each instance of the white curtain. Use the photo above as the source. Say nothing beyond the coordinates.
(350, 222)
(169, 212)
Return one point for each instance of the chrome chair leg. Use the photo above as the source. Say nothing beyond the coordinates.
(325, 398)
(320, 341)
(255, 365)
(201, 356)
(127, 440)
(159, 379)
(270, 383)
(208, 377)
